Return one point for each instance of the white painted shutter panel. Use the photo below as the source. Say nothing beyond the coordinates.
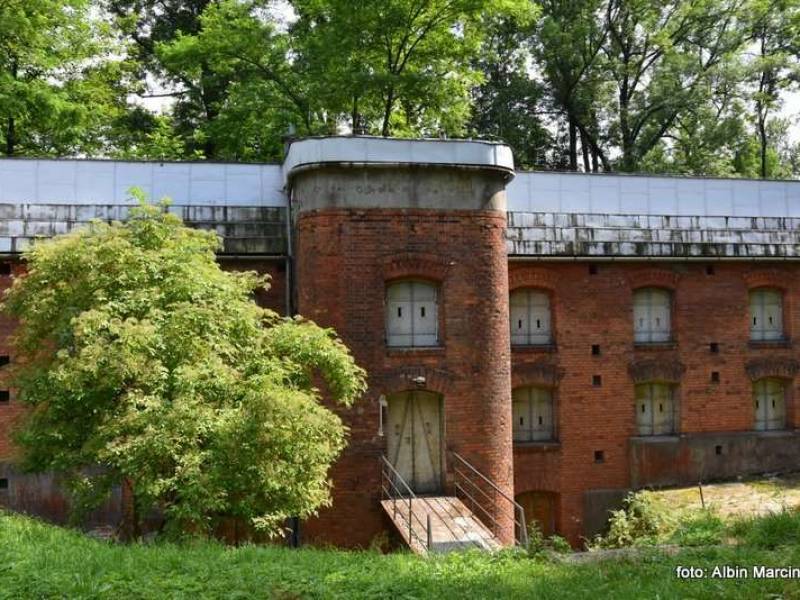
(660, 316)
(773, 315)
(539, 318)
(520, 411)
(399, 318)
(775, 405)
(542, 402)
(520, 327)
(760, 405)
(644, 413)
(641, 316)
(425, 317)
(663, 415)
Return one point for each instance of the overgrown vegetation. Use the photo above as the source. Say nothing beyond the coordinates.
(138, 354)
(41, 561)
(645, 522)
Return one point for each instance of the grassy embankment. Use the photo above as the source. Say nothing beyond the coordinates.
(42, 561)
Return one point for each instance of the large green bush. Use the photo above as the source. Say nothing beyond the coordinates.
(137, 353)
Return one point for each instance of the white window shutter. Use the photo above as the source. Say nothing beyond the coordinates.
(520, 410)
(530, 317)
(660, 316)
(663, 416)
(644, 413)
(773, 315)
(399, 317)
(641, 316)
(766, 314)
(539, 317)
(760, 405)
(542, 401)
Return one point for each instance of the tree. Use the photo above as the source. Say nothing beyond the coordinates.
(509, 104)
(398, 67)
(660, 57)
(266, 93)
(58, 91)
(774, 29)
(568, 48)
(198, 90)
(139, 355)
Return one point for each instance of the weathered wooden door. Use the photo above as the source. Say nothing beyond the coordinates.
(415, 439)
(540, 510)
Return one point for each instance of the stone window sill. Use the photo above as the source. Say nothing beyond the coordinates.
(415, 350)
(766, 344)
(668, 438)
(543, 446)
(655, 345)
(534, 348)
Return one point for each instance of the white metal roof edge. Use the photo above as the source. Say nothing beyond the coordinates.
(363, 150)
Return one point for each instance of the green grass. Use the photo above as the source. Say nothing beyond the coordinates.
(41, 561)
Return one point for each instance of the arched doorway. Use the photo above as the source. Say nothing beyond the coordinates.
(540, 510)
(414, 439)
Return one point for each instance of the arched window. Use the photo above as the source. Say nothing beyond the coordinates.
(412, 315)
(652, 311)
(766, 314)
(530, 318)
(532, 410)
(655, 409)
(769, 403)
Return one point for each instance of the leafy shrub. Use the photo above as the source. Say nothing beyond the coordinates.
(638, 522)
(701, 528)
(538, 544)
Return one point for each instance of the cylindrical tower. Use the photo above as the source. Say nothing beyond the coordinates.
(400, 246)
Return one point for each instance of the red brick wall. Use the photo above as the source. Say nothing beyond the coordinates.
(344, 259)
(273, 298)
(597, 309)
(11, 411)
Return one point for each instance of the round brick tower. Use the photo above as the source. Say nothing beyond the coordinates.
(399, 246)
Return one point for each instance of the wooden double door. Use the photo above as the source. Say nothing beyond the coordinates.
(414, 439)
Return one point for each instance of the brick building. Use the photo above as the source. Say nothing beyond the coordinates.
(537, 343)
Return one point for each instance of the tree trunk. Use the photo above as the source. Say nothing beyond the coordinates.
(573, 145)
(387, 113)
(763, 141)
(11, 137)
(585, 153)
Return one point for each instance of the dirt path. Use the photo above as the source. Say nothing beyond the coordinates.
(742, 498)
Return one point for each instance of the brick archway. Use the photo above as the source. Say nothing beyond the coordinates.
(544, 374)
(404, 379)
(647, 370)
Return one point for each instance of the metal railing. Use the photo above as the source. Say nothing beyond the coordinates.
(403, 496)
(470, 487)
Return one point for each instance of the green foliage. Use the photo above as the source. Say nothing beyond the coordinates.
(58, 94)
(639, 522)
(774, 530)
(701, 528)
(539, 545)
(140, 355)
(41, 561)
